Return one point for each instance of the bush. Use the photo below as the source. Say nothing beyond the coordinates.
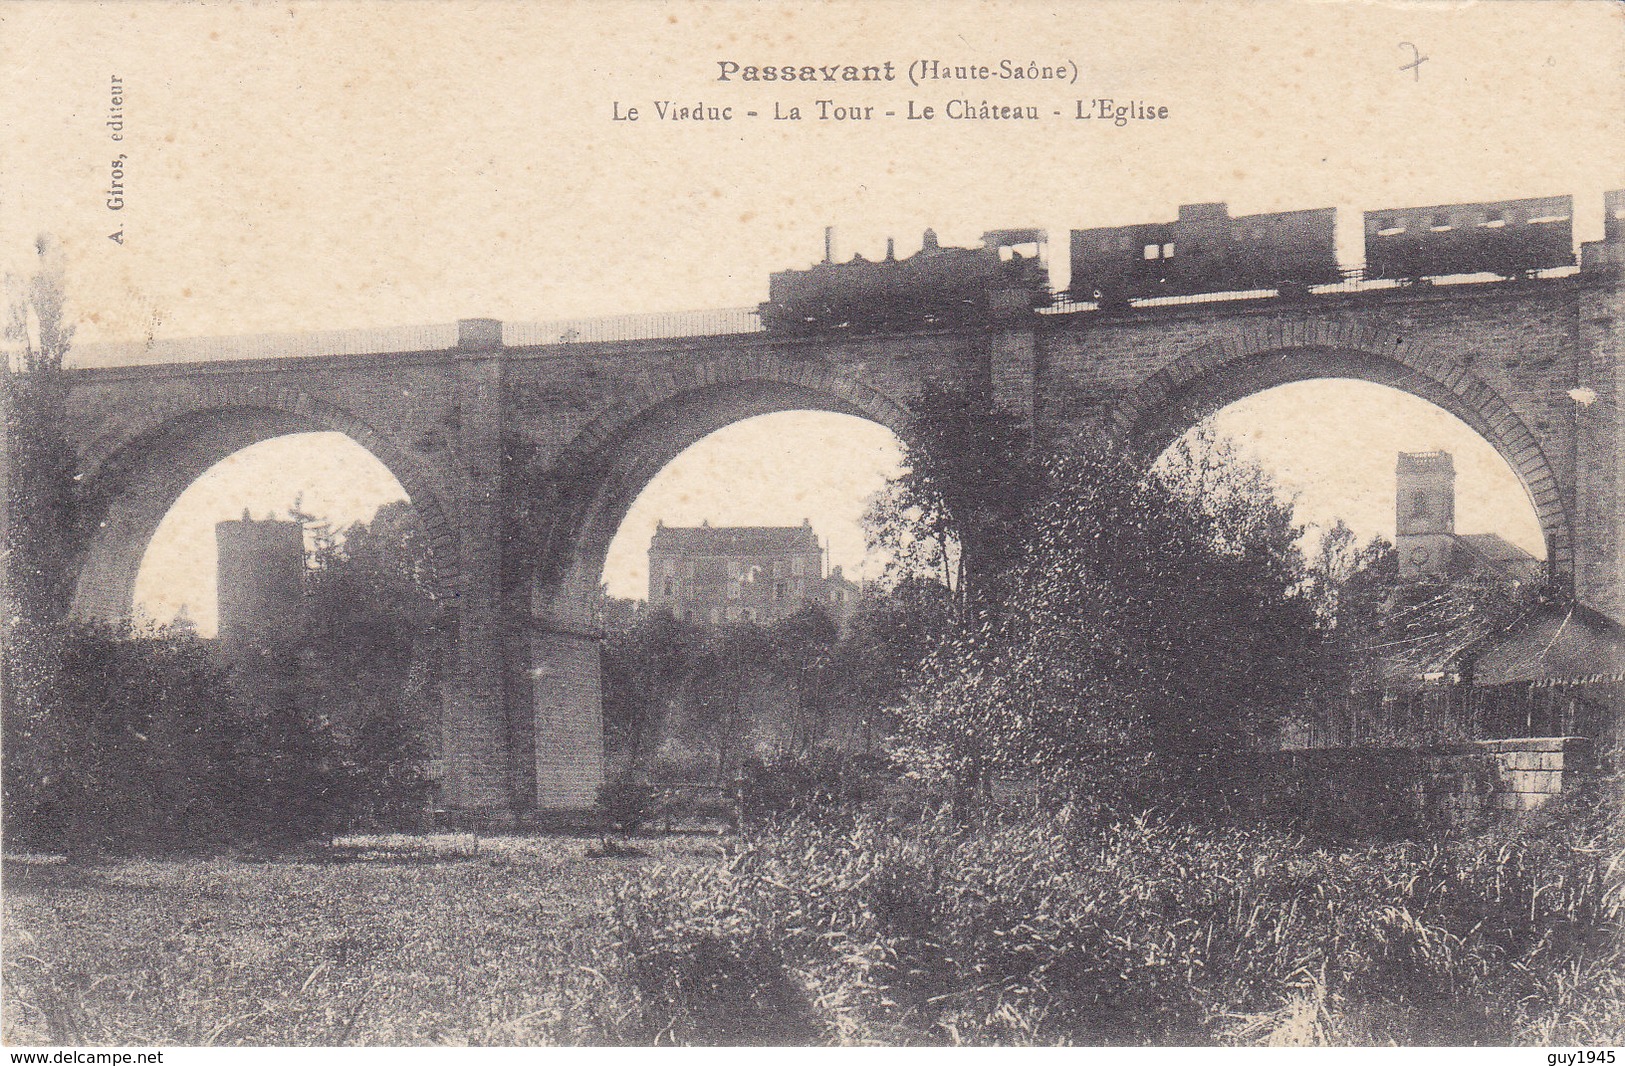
(137, 743)
(1061, 929)
(813, 785)
(627, 803)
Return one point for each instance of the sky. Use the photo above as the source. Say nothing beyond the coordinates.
(300, 166)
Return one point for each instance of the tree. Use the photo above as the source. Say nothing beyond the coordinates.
(371, 656)
(648, 667)
(42, 528)
(41, 531)
(1152, 622)
(952, 514)
(802, 652)
(889, 634)
(1355, 588)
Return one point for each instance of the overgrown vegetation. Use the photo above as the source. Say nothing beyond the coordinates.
(695, 702)
(1068, 929)
(1059, 928)
(1139, 626)
(118, 739)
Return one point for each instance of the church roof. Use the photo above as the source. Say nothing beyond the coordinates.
(1494, 549)
(734, 540)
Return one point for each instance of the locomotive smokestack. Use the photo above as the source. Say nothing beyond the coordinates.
(829, 244)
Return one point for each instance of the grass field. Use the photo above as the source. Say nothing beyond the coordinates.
(863, 932)
(501, 947)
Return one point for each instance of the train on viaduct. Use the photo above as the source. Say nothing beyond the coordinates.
(522, 448)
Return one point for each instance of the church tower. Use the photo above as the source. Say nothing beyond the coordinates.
(1425, 516)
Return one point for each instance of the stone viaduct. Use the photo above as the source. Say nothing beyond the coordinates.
(522, 458)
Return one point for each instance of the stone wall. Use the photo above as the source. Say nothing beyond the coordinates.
(1394, 788)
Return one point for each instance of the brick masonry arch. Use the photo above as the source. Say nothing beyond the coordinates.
(601, 471)
(815, 376)
(1253, 357)
(588, 489)
(133, 472)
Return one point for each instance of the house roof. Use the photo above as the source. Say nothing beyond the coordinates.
(1554, 644)
(734, 540)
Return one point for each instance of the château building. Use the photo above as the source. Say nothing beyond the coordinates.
(761, 574)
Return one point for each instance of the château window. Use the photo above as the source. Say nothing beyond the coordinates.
(671, 588)
(797, 565)
(733, 590)
(733, 568)
(671, 567)
(778, 567)
(778, 590)
(1419, 505)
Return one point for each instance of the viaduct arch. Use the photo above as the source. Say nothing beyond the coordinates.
(1214, 375)
(523, 458)
(134, 474)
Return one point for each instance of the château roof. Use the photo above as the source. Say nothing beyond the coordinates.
(734, 540)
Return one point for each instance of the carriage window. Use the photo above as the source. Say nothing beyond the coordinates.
(1168, 251)
(1152, 251)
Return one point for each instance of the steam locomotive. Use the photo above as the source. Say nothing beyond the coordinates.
(935, 286)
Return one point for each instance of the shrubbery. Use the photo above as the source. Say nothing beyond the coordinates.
(1067, 930)
(813, 785)
(124, 742)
